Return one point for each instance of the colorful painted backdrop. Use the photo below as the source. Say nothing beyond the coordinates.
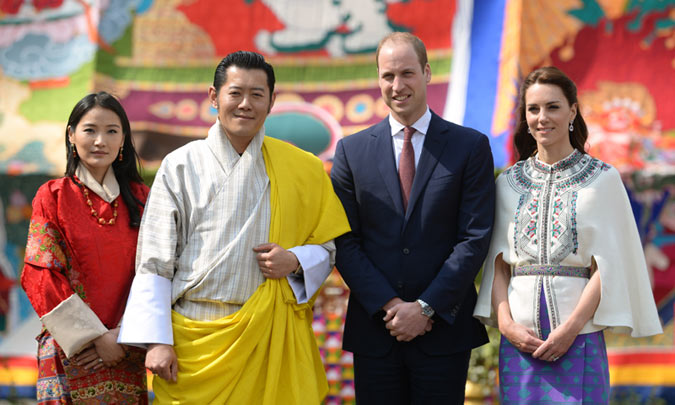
(158, 56)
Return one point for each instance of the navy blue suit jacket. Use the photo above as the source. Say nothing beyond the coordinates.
(433, 251)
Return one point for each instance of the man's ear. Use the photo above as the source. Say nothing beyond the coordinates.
(274, 97)
(213, 97)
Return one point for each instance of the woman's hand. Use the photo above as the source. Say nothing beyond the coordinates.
(562, 337)
(556, 345)
(107, 348)
(521, 338)
(88, 358)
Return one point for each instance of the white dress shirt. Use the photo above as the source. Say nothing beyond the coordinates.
(421, 127)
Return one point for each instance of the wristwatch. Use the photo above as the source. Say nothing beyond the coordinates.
(426, 309)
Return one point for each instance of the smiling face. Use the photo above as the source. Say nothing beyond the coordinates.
(548, 115)
(403, 81)
(243, 103)
(98, 138)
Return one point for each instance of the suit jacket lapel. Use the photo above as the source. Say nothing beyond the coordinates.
(434, 143)
(384, 152)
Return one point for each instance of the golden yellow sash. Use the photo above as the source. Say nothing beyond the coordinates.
(265, 353)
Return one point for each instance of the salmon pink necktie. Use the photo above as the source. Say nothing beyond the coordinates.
(406, 165)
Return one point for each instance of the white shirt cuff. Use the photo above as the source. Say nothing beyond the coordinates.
(147, 316)
(315, 262)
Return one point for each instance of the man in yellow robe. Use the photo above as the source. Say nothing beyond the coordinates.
(236, 239)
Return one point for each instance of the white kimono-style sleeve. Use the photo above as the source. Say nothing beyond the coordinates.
(610, 235)
(502, 232)
(147, 316)
(317, 262)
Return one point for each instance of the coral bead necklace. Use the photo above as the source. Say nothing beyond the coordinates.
(95, 214)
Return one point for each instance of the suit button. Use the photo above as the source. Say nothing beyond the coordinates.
(406, 251)
(399, 284)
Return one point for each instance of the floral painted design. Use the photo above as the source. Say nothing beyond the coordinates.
(47, 248)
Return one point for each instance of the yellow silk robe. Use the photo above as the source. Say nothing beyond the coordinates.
(265, 353)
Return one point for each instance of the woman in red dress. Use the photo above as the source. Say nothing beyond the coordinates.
(79, 262)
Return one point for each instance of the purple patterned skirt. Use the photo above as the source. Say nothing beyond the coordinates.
(581, 376)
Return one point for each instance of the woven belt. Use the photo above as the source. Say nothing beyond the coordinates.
(551, 270)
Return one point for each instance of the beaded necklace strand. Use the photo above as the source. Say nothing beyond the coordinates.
(95, 214)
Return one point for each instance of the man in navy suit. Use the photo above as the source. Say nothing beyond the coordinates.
(419, 195)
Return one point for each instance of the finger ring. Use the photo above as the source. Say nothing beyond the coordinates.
(555, 358)
(100, 360)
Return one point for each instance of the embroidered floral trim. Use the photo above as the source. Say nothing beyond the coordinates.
(519, 181)
(102, 391)
(557, 227)
(544, 248)
(551, 270)
(45, 247)
(564, 164)
(573, 219)
(584, 176)
(546, 230)
(52, 384)
(536, 306)
(521, 200)
(51, 389)
(551, 302)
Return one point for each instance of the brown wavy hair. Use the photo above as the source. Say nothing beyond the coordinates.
(523, 142)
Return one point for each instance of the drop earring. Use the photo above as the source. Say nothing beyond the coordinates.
(74, 151)
(571, 127)
(121, 156)
(529, 131)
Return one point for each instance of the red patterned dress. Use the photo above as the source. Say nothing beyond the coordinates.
(69, 252)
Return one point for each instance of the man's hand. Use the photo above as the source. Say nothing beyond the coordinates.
(391, 303)
(275, 261)
(161, 360)
(405, 321)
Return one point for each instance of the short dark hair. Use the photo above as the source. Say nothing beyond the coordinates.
(244, 60)
(415, 42)
(523, 141)
(126, 170)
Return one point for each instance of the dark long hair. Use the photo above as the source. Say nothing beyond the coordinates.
(524, 142)
(126, 170)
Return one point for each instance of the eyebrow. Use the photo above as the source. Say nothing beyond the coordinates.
(548, 103)
(93, 124)
(235, 87)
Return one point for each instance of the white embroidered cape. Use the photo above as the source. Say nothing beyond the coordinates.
(566, 214)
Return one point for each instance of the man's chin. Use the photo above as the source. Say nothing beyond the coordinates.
(242, 132)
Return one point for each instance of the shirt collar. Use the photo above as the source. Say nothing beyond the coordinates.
(108, 190)
(566, 163)
(225, 152)
(421, 125)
